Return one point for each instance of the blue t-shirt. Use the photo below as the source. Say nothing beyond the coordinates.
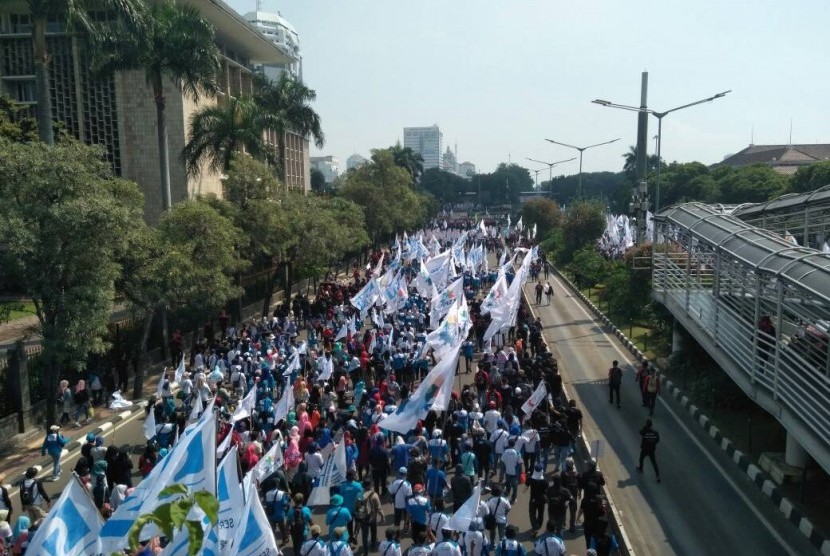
(400, 456)
(351, 491)
(419, 509)
(336, 517)
(436, 479)
(306, 517)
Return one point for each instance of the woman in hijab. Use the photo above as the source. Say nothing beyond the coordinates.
(21, 526)
(122, 469)
(293, 457)
(65, 400)
(251, 456)
(81, 400)
(100, 487)
(305, 422)
(119, 494)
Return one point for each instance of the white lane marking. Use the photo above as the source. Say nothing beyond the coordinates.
(769, 527)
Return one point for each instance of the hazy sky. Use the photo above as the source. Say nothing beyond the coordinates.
(499, 77)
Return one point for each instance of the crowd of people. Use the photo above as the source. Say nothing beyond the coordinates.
(344, 388)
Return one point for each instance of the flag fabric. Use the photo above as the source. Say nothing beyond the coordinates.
(150, 425)
(180, 371)
(452, 331)
(285, 403)
(160, 387)
(229, 494)
(192, 463)
(226, 443)
(181, 539)
(366, 297)
(496, 294)
(379, 267)
(433, 393)
(533, 235)
(482, 227)
(332, 474)
(326, 369)
(535, 399)
(269, 463)
(442, 302)
(197, 409)
(352, 324)
(71, 527)
(293, 363)
(461, 519)
(246, 406)
(344, 331)
(423, 281)
(254, 536)
(519, 225)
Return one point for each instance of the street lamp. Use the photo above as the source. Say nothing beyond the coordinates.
(659, 116)
(581, 150)
(550, 166)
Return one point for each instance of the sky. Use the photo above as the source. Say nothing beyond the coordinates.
(499, 77)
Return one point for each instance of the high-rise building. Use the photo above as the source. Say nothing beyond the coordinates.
(119, 112)
(328, 165)
(426, 141)
(355, 161)
(280, 32)
(466, 170)
(449, 162)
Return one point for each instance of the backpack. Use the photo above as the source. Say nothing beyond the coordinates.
(27, 494)
(361, 512)
(298, 523)
(651, 387)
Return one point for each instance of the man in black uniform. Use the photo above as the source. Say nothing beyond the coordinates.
(648, 447)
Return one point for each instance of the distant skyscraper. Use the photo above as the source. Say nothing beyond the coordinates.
(280, 32)
(466, 170)
(426, 141)
(355, 161)
(328, 165)
(449, 163)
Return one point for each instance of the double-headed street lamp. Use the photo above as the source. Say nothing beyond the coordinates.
(581, 150)
(550, 166)
(659, 116)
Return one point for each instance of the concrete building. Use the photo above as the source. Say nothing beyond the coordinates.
(784, 159)
(355, 161)
(449, 163)
(280, 32)
(466, 170)
(328, 165)
(119, 112)
(426, 141)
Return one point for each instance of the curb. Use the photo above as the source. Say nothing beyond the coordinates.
(761, 480)
(102, 428)
(625, 543)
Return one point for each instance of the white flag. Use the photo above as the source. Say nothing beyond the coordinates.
(162, 380)
(71, 527)
(180, 371)
(442, 302)
(150, 425)
(285, 403)
(226, 443)
(197, 408)
(466, 514)
(344, 330)
(482, 228)
(535, 399)
(254, 536)
(246, 407)
(332, 474)
(269, 463)
(229, 494)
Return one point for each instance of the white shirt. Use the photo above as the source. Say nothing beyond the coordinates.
(436, 523)
(499, 440)
(549, 546)
(339, 548)
(472, 538)
(499, 508)
(401, 490)
(389, 548)
(529, 440)
(446, 548)
(419, 550)
(510, 458)
(187, 386)
(491, 418)
(315, 463)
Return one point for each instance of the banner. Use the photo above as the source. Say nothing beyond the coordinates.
(535, 399)
(452, 331)
(366, 297)
(442, 302)
(254, 536)
(332, 474)
(246, 407)
(466, 514)
(229, 494)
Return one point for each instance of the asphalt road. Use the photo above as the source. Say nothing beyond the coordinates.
(704, 504)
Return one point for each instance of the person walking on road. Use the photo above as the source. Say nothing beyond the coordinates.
(648, 447)
(614, 381)
(53, 445)
(539, 289)
(651, 387)
(548, 291)
(640, 377)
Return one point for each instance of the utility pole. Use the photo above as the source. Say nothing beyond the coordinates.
(640, 202)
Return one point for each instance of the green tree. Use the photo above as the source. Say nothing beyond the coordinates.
(749, 184)
(444, 186)
(80, 17)
(176, 43)
(318, 181)
(583, 225)
(382, 190)
(64, 220)
(286, 101)
(544, 213)
(810, 178)
(588, 267)
(505, 184)
(409, 160)
(218, 133)
(690, 181)
(13, 126)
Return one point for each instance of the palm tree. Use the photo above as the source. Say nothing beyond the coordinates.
(409, 160)
(287, 100)
(218, 132)
(177, 44)
(76, 15)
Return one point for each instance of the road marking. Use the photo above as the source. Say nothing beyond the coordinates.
(769, 527)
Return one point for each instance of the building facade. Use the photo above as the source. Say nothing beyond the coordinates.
(328, 165)
(426, 141)
(449, 162)
(784, 159)
(280, 32)
(119, 112)
(466, 170)
(355, 161)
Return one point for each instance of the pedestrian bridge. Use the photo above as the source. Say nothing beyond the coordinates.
(720, 276)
